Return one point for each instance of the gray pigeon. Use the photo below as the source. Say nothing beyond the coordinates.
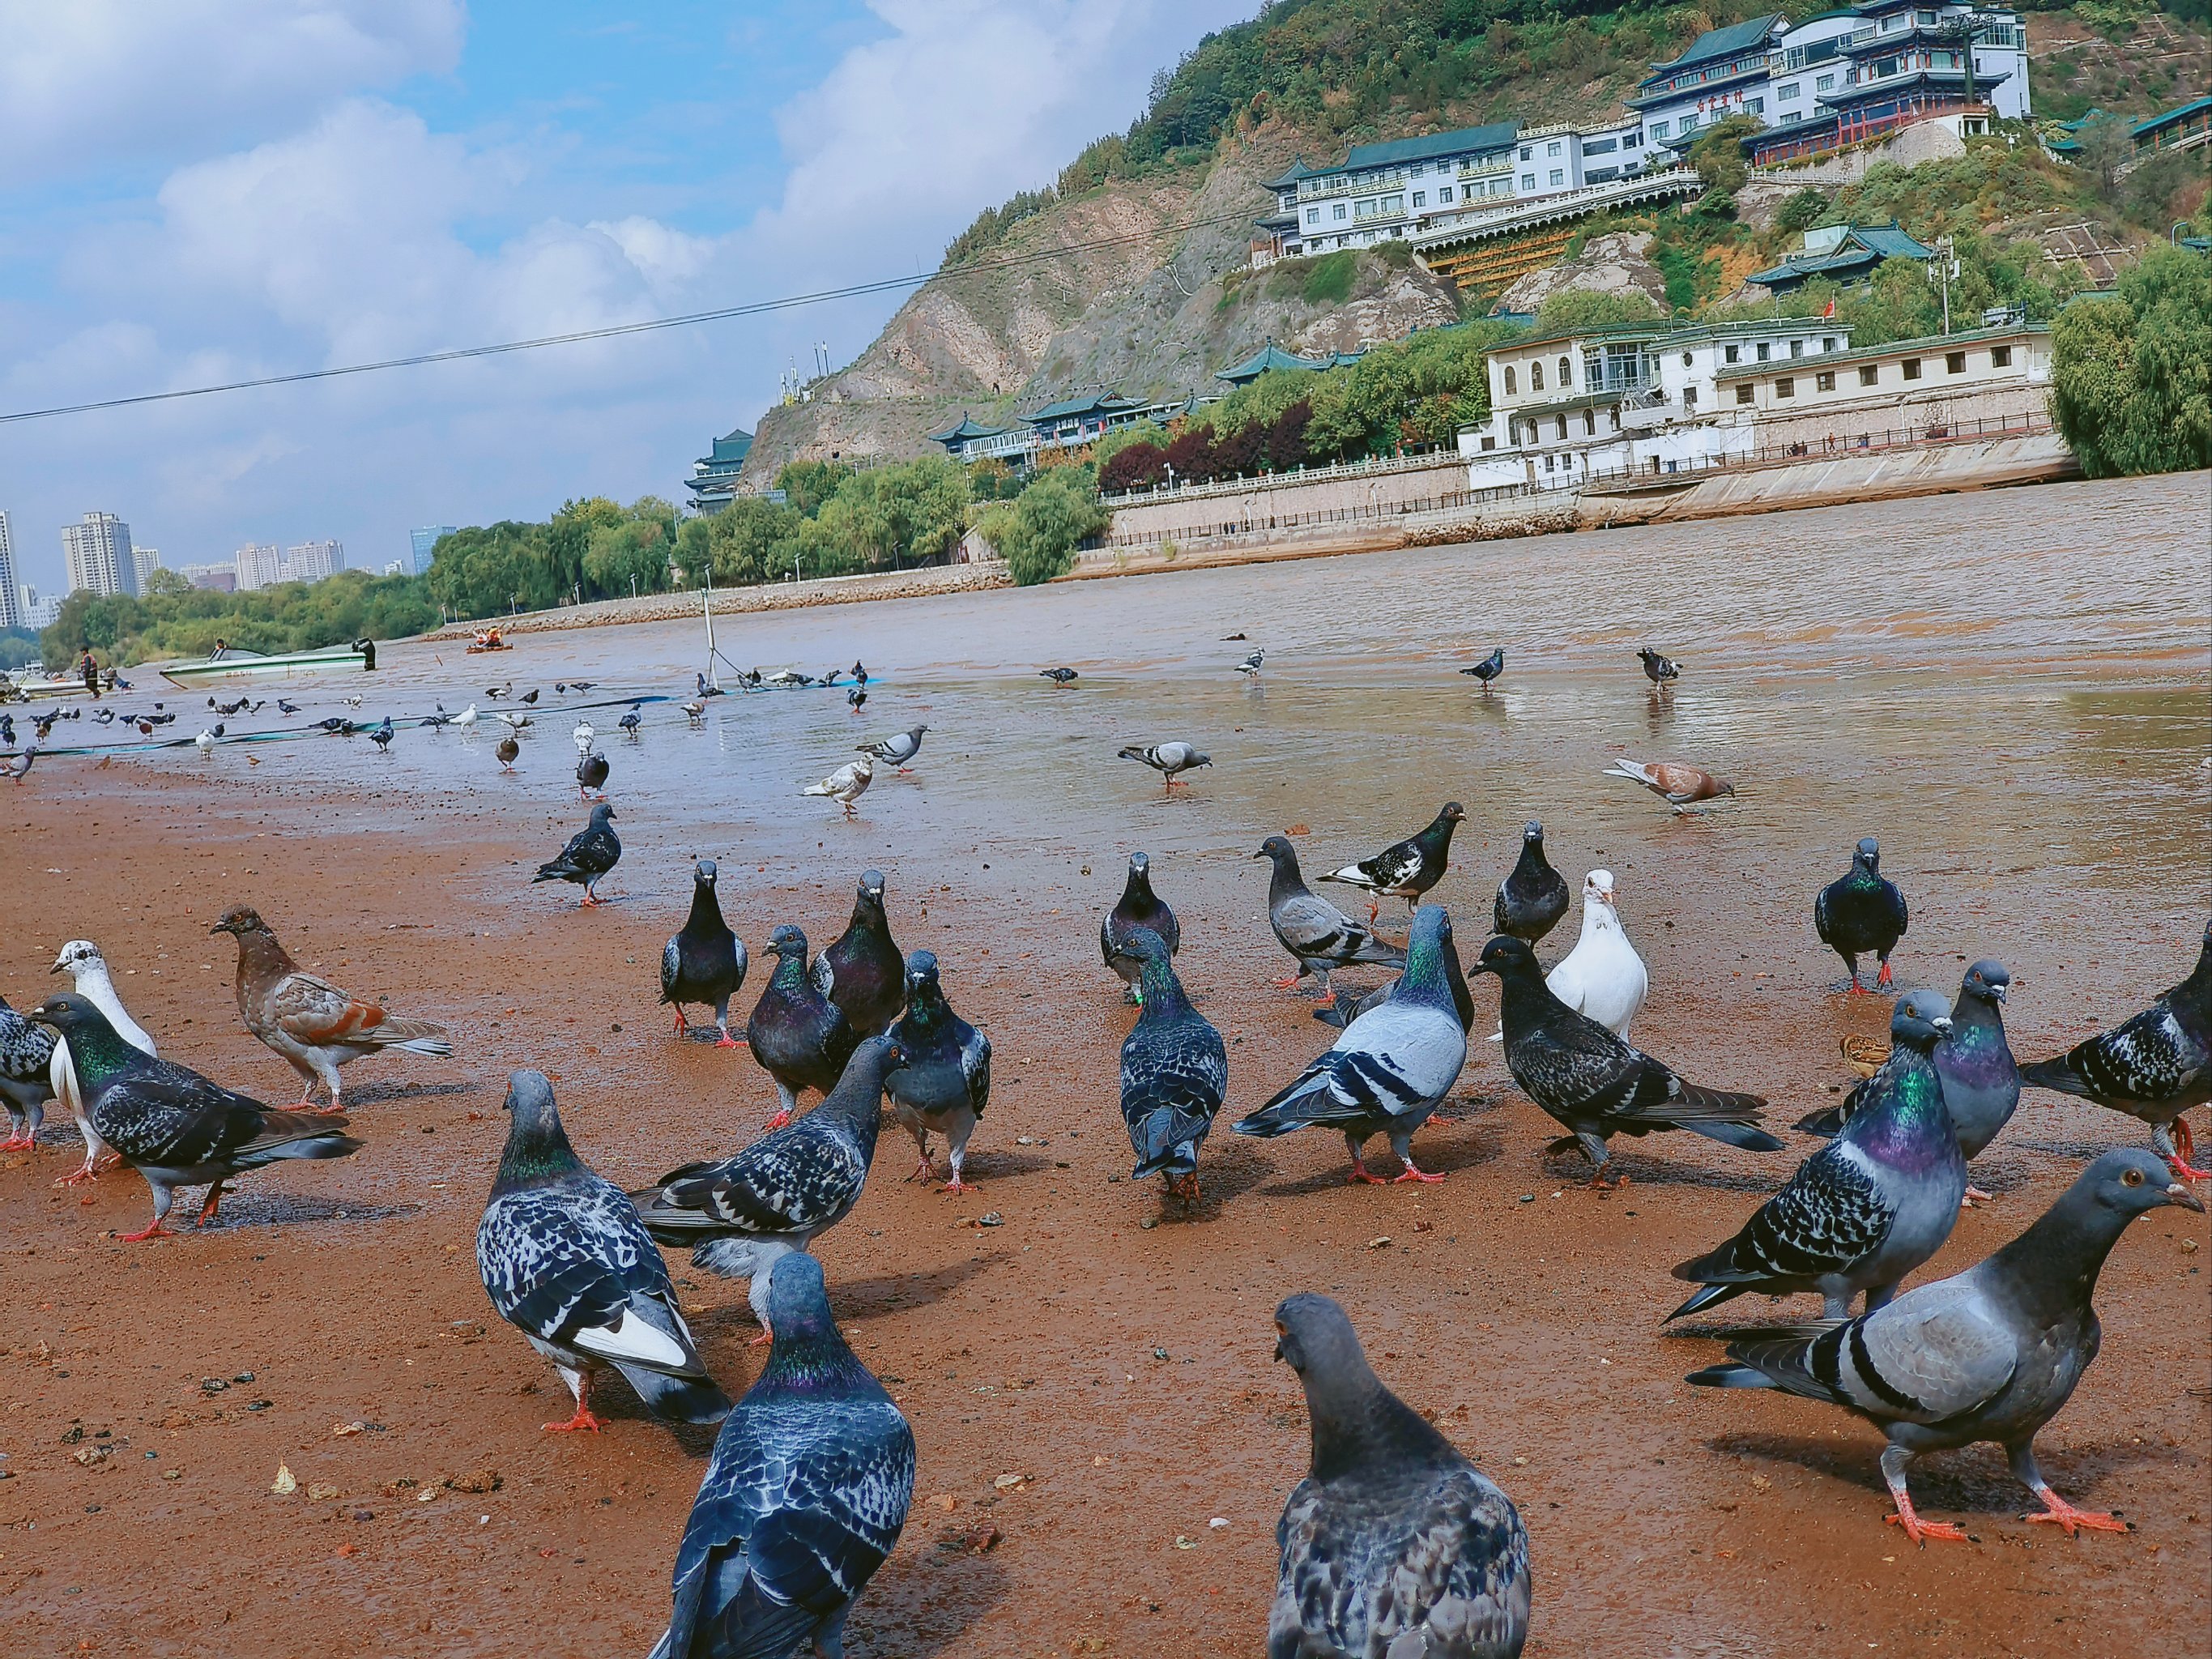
(899, 750)
(740, 1214)
(1139, 908)
(1394, 1546)
(567, 1262)
(1174, 1073)
(805, 1497)
(27, 1060)
(1318, 935)
(1870, 1205)
(1991, 1354)
(1391, 1067)
(944, 1081)
(1167, 759)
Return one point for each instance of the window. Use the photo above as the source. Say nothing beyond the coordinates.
(1313, 216)
(1488, 443)
(1444, 195)
(1765, 350)
(1785, 387)
(1528, 181)
(1688, 360)
(1562, 427)
(1421, 198)
(1535, 377)
(1339, 211)
(1795, 90)
(1754, 106)
(1633, 141)
(1954, 362)
(1796, 347)
(1599, 147)
(1743, 394)
(1825, 83)
(1687, 125)
(1912, 369)
(1827, 342)
(2000, 356)
(1511, 387)
(1925, 19)
(1790, 116)
(1527, 152)
(1825, 381)
(1658, 129)
(1566, 372)
(1733, 353)
(1590, 423)
(1870, 375)
(1558, 177)
(1552, 148)
(1689, 401)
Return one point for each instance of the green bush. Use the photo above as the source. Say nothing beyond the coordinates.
(292, 616)
(1329, 278)
(2132, 372)
(1038, 533)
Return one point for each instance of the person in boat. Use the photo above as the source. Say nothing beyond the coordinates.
(222, 650)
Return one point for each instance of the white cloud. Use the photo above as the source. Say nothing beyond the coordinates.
(85, 81)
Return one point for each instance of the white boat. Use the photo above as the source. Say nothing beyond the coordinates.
(63, 686)
(250, 665)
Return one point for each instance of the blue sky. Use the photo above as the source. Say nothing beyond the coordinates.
(265, 185)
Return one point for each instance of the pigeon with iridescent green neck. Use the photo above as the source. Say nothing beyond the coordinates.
(1174, 1073)
(1867, 1208)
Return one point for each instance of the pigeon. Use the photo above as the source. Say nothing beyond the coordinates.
(107, 716)
(1868, 1207)
(583, 737)
(740, 1214)
(900, 750)
(174, 1126)
(514, 722)
(1347, 1009)
(467, 716)
(1489, 668)
(1594, 1084)
(573, 685)
(591, 775)
(1061, 678)
(1139, 907)
(307, 1020)
(1681, 787)
(695, 712)
(1251, 666)
(1174, 1073)
(1992, 1353)
(205, 741)
(846, 785)
(381, 737)
(20, 768)
(856, 699)
(706, 962)
(803, 1498)
(859, 672)
(1395, 1546)
(800, 1036)
(631, 720)
(1408, 868)
(790, 678)
(1861, 912)
(508, 752)
(1320, 937)
(1657, 669)
(286, 708)
(1981, 1080)
(337, 726)
(567, 1262)
(944, 1082)
(354, 702)
(1167, 758)
(591, 852)
(531, 696)
(862, 971)
(1602, 978)
(89, 976)
(1534, 895)
(27, 1081)
(2156, 1066)
(1389, 1069)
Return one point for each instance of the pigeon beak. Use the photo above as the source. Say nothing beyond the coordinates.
(2178, 1193)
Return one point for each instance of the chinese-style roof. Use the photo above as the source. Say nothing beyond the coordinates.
(1099, 403)
(2167, 118)
(729, 450)
(1498, 135)
(1271, 355)
(1862, 247)
(966, 431)
(1715, 44)
(1296, 170)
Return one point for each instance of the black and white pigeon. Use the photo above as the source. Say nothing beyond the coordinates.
(1489, 668)
(1174, 1073)
(1167, 759)
(944, 1083)
(1408, 868)
(1391, 1068)
(1534, 895)
(1059, 677)
(567, 1262)
(861, 970)
(1319, 938)
(591, 852)
(1139, 907)
(1860, 914)
(380, 735)
(1868, 1207)
(531, 696)
(1657, 669)
(899, 749)
(172, 1125)
(803, 1498)
(20, 768)
(2154, 1067)
(800, 1037)
(631, 720)
(739, 1214)
(591, 775)
(1395, 1546)
(27, 1084)
(857, 698)
(705, 962)
(1595, 1084)
(1993, 1353)
(1981, 1079)
(1251, 666)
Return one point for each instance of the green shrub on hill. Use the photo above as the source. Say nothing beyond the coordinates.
(2132, 372)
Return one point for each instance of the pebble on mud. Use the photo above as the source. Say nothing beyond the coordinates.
(283, 1483)
(474, 1480)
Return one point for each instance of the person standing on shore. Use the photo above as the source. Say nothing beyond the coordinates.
(90, 668)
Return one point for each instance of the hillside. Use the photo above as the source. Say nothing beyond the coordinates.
(1128, 271)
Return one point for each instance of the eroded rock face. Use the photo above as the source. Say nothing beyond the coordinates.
(1616, 263)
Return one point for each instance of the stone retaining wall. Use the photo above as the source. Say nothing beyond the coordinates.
(735, 601)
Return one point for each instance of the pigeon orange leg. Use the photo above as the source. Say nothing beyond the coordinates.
(208, 1210)
(2184, 1147)
(1881, 979)
(1328, 999)
(1893, 1472)
(1281, 985)
(582, 1419)
(781, 1118)
(1415, 1174)
(2060, 1513)
(682, 1024)
(1360, 1175)
(80, 1175)
(154, 1229)
(726, 1041)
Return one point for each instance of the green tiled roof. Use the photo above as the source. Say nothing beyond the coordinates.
(1723, 43)
(2165, 117)
(1099, 403)
(965, 432)
(1271, 355)
(729, 450)
(1498, 135)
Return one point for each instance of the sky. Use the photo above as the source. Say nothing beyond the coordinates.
(213, 190)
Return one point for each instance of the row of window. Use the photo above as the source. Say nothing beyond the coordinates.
(1954, 362)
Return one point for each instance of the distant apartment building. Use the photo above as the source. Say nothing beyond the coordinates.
(310, 561)
(258, 564)
(98, 556)
(215, 578)
(144, 562)
(11, 597)
(424, 544)
(40, 613)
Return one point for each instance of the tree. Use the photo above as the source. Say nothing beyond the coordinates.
(163, 581)
(1037, 535)
(2131, 374)
(807, 485)
(1134, 466)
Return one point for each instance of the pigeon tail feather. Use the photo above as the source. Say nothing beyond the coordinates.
(676, 1399)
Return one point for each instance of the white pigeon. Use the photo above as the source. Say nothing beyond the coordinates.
(87, 970)
(846, 784)
(1602, 978)
(467, 716)
(514, 722)
(206, 742)
(583, 735)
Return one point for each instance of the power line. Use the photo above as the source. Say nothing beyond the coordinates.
(722, 313)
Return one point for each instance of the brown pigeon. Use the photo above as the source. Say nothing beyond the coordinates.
(1678, 785)
(309, 1021)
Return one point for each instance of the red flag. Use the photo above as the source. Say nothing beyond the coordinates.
(1829, 311)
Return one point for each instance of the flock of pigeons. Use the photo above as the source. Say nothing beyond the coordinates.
(1395, 1544)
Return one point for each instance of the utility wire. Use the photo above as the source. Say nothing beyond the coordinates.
(723, 313)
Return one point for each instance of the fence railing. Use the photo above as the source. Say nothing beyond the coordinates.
(1828, 446)
(1411, 459)
(1254, 524)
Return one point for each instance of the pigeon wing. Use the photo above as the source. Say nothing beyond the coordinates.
(1938, 1353)
(567, 1264)
(2149, 1060)
(1830, 1215)
(800, 1178)
(975, 1066)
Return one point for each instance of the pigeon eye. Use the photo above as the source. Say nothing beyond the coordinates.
(2131, 1178)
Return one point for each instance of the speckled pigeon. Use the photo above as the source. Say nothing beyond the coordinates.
(27, 1084)
(800, 1038)
(1408, 868)
(567, 1262)
(1174, 1073)
(1534, 895)
(706, 962)
(89, 974)
(1320, 937)
(1993, 1353)
(1867, 1208)
(861, 971)
(1395, 1546)
(944, 1081)
(805, 1497)
(591, 852)
(740, 1213)
(1139, 907)
(1862, 912)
